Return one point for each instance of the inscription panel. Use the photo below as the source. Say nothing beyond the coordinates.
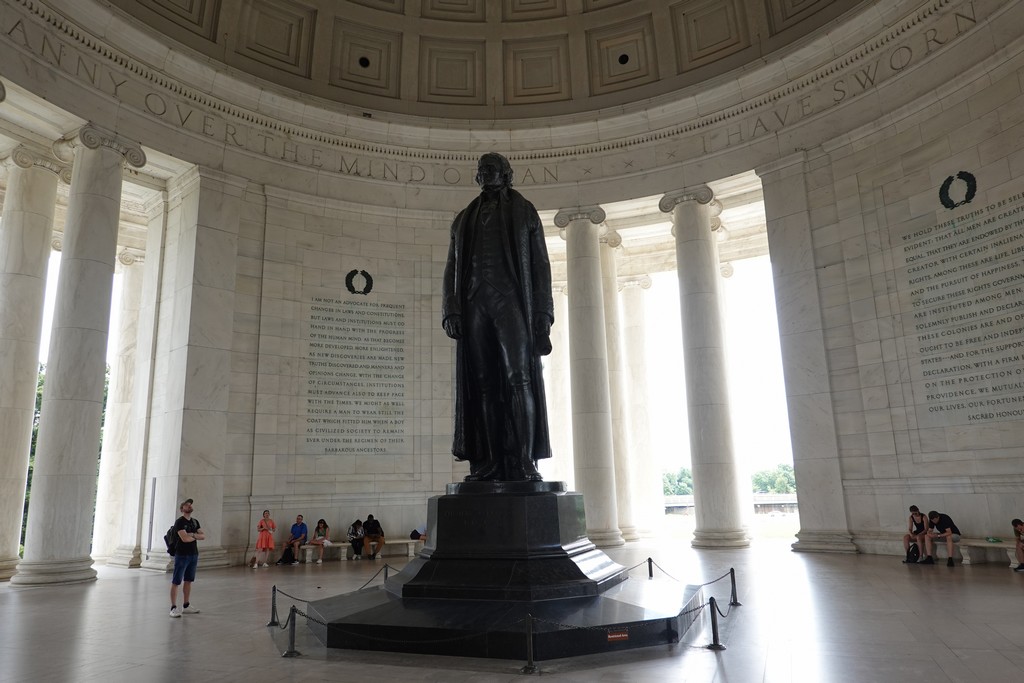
(358, 375)
(961, 285)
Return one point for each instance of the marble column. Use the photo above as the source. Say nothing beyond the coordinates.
(116, 426)
(593, 454)
(824, 526)
(649, 497)
(59, 532)
(128, 552)
(559, 467)
(610, 242)
(188, 430)
(24, 256)
(716, 492)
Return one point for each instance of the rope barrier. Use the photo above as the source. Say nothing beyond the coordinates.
(530, 620)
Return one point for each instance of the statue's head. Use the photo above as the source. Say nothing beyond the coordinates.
(493, 171)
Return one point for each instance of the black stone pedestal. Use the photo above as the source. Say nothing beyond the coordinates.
(497, 556)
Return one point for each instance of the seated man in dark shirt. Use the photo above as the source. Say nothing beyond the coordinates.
(942, 527)
(372, 533)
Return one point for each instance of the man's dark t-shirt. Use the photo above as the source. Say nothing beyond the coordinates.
(945, 522)
(190, 526)
(371, 527)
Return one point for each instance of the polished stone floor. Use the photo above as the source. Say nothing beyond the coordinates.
(804, 617)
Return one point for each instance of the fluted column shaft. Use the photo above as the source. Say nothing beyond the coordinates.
(59, 533)
(116, 426)
(617, 387)
(649, 501)
(24, 256)
(593, 455)
(715, 474)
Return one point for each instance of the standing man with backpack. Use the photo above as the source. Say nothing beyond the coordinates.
(186, 558)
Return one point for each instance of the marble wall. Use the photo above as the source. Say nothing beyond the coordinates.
(899, 288)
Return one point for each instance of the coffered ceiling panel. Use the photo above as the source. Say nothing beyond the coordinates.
(622, 56)
(613, 52)
(386, 5)
(531, 10)
(452, 71)
(366, 59)
(537, 70)
(707, 30)
(594, 5)
(784, 14)
(198, 16)
(455, 10)
(277, 34)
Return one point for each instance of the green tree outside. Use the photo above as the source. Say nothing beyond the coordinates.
(678, 483)
(778, 480)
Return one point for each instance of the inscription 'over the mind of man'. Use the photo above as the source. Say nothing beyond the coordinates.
(356, 393)
(962, 294)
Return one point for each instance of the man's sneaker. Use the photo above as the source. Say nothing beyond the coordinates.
(295, 561)
(927, 560)
(190, 610)
(949, 562)
(319, 561)
(175, 613)
(1019, 567)
(265, 564)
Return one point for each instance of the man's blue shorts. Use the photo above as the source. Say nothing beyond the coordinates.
(184, 568)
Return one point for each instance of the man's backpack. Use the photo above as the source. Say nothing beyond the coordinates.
(913, 554)
(171, 539)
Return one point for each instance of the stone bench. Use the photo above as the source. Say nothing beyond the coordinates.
(345, 549)
(408, 544)
(973, 550)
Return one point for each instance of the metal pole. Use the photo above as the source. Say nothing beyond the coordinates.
(291, 651)
(715, 645)
(650, 567)
(530, 666)
(273, 607)
(733, 602)
(385, 572)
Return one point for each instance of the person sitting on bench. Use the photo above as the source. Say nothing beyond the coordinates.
(373, 533)
(942, 527)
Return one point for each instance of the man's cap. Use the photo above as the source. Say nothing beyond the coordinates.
(184, 502)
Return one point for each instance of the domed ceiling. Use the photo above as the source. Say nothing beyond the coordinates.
(480, 59)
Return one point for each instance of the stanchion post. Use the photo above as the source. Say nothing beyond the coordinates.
(530, 666)
(715, 644)
(291, 651)
(733, 602)
(273, 607)
(385, 572)
(650, 567)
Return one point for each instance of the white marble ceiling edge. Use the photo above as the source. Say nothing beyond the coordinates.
(176, 101)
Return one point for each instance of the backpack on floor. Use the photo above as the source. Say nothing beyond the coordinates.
(171, 540)
(913, 553)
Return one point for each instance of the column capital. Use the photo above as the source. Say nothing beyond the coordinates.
(594, 213)
(611, 238)
(636, 282)
(702, 194)
(129, 257)
(25, 157)
(94, 137)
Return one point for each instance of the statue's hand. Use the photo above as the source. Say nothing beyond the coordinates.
(542, 334)
(453, 326)
(541, 325)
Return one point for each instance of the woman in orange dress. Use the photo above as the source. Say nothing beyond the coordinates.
(265, 539)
